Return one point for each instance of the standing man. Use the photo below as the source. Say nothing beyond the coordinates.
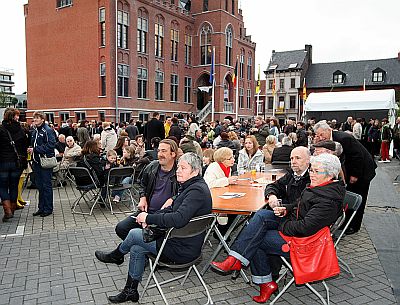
(396, 139)
(157, 186)
(167, 125)
(83, 133)
(346, 126)
(358, 165)
(132, 130)
(302, 136)
(260, 130)
(154, 128)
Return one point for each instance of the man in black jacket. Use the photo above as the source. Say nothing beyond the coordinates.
(157, 186)
(302, 136)
(154, 128)
(359, 167)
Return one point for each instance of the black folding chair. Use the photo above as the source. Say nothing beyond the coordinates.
(85, 183)
(114, 183)
(196, 226)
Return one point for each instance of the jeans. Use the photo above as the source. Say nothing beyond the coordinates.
(126, 180)
(124, 226)
(9, 178)
(134, 244)
(257, 242)
(44, 186)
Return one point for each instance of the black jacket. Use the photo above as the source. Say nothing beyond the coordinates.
(287, 188)
(154, 128)
(176, 131)
(97, 164)
(194, 199)
(281, 153)
(318, 207)
(302, 137)
(357, 160)
(147, 183)
(19, 137)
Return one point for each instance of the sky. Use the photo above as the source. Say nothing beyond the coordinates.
(338, 30)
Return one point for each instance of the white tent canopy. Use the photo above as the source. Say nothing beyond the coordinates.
(352, 102)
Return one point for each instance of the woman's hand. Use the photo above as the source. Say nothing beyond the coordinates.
(167, 203)
(280, 211)
(141, 219)
(30, 150)
(232, 179)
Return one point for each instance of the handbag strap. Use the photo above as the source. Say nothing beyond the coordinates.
(11, 142)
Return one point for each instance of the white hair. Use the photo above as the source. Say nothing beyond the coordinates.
(330, 163)
(321, 125)
(193, 160)
(287, 141)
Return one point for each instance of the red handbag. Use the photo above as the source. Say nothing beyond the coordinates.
(313, 258)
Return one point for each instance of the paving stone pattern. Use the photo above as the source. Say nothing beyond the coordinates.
(53, 263)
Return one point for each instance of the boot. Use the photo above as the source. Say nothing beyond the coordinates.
(229, 264)
(20, 201)
(129, 293)
(8, 213)
(113, 257)
(266, 290)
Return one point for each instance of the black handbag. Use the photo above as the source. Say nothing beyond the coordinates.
(22, 161)
(153, 232)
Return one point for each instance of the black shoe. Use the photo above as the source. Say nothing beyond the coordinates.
(37, 213)
(129, 293)
(31, 187)
(114, 257)
(350, 231)
(45, 214)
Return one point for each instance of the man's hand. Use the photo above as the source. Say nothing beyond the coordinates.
(167, 203)
(143, 204)
(272, 201)
(280, 211)
(353, 179)
(141, 219)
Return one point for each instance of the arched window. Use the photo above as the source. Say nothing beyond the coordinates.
(174, 40)
(228, 46)
(205, 44)
(142, 30)
(159, 36)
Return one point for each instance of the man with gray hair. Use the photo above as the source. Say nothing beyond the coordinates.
(359, 167)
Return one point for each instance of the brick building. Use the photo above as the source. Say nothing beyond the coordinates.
(86, 61)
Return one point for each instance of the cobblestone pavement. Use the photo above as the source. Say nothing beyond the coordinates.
(51, 261)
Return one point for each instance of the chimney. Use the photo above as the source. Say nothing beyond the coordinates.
(308, 48)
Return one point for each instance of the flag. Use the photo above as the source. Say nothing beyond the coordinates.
(273, 86)
(234, 76)
(304, 90)
(258, 86)
(212, 67)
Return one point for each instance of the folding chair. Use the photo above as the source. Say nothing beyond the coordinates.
(114, 178)
(352, 201)
(196, 226)
(85, 184)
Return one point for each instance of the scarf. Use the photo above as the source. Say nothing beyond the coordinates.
(226, 170)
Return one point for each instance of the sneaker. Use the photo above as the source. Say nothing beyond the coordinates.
(117, 198)
(381, 161)
(387, 161)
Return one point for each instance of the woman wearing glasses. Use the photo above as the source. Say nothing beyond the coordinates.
(219, 173)
(319, 206)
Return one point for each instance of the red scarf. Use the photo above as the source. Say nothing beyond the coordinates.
(226, 170)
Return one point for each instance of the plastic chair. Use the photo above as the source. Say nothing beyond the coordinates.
(352, 201)
(114, 178)
(85, 183)
(196, 226)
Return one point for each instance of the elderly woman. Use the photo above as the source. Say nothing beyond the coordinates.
(9, 169)
(194, 199)
(319, 206)
(219, 173)
(71, 153)
(268, 149)
(250, 156)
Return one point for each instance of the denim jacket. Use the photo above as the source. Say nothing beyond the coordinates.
(43, 142)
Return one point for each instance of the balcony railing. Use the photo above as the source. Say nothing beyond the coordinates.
(228, 107)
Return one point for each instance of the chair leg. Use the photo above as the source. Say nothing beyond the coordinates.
(282, 291)
(186, 276)
(209, 300)
(317, 293)
(345, 267)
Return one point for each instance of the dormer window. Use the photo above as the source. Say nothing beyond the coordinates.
(378, 75)
(338, 77)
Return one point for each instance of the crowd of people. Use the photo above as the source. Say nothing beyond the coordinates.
(179, 160)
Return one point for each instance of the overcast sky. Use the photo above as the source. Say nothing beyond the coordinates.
(338, 30)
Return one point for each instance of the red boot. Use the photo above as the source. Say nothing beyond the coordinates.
(229, 264)
(266, 290)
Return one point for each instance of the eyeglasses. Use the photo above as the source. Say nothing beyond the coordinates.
(230, 158)
(317, 172)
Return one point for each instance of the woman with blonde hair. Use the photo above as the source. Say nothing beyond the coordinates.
(219, 173)
(268, 148)
(250, 156)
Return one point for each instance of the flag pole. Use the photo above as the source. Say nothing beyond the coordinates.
(213, 88)
(258, 102)
(274, 95)
(258, 89)
(237, 89)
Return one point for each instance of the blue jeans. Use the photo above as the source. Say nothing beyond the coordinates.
(126, 180)
(134, 244)
(44, 186)
(9, 178)
(257, 242)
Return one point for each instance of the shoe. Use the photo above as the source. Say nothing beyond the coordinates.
(45, 214)
(113, 257)
(117, 198)
(37, 213)
(266, 290)
(387, 161)
(381, 161)
(21, 202)
(129, 293)
(8, 213)
(229, 264)
(350, 231)
(19, 206)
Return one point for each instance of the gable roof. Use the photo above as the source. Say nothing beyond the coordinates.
(320, 75)
(284, 59)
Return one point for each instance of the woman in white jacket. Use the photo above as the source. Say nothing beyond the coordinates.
(219, 173)
(250, 155)
(108, 137)
(72, 151)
